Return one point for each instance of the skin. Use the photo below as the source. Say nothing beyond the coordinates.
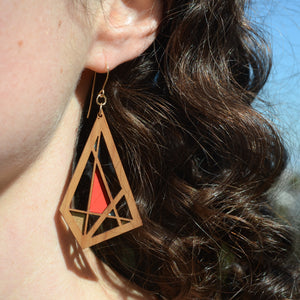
(48, 51)
(37, 89)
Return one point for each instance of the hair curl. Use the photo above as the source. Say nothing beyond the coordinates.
(200, 161)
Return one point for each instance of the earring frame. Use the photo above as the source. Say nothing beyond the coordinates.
(78, 220)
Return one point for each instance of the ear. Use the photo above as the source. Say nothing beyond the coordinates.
(124, 29)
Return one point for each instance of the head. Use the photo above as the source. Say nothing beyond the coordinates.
(199, 158)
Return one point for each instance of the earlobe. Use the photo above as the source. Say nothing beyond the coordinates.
(124, 30)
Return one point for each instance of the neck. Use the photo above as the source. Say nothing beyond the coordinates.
(29, 242)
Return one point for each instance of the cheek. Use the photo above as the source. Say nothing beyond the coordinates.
(39, 69)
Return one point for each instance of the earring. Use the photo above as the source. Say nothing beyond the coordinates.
(109, 208)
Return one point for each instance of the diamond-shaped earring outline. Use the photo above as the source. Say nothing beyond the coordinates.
(87, 240)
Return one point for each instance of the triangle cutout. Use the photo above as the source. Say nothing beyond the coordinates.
(107, 224)
(91, 221)
(123, 209)
(108, 168)
(81, 195)
(112, 213)
(123, 222)
(99, 198)
(79, 219)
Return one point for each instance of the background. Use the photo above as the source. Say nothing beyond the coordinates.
(281, 20)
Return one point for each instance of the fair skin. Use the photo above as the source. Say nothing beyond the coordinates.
(46, 46)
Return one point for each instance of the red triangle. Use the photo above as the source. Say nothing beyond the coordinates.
(99, 199)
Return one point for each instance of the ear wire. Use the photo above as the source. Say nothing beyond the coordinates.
(92, 95)
(101, 94)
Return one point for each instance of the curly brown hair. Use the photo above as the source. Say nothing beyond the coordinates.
(200, 161)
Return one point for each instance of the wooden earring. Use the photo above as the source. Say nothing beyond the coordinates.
(110, 208)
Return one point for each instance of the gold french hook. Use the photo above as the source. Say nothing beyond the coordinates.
(106, 79)
(101, 94)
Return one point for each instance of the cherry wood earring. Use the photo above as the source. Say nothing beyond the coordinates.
(109, 209)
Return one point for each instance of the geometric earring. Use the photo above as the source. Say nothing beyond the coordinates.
(109, 208)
